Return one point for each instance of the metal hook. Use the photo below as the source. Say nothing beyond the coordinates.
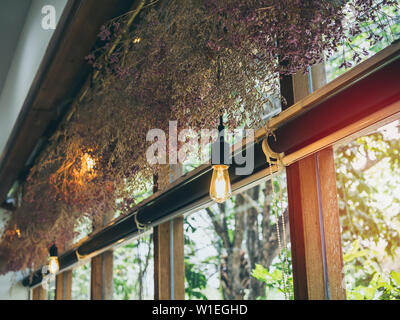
(139, 225)
(272, 157)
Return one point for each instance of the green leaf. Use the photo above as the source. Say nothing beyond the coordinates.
(351, 256)
(396, 277)
(355, 295)
(369, 293)
(276, 275)
(261, 273)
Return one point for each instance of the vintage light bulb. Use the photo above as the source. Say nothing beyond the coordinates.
(89, 162)
(220, 187)
(53, 265)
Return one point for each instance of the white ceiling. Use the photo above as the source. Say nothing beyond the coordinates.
(12, 18)
(23, 45)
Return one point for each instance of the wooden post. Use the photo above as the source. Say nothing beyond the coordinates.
(169, 263)
(102, 271)
(314, 214)
(315, 228)
(39, 293)
(101, 280)
(64, 285)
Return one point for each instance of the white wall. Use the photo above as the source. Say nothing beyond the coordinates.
(28, 55)
(27, 58)
(10, 285)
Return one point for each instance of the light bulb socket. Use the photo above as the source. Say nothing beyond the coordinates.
(220, 150)
(221, 125)
(53, 251)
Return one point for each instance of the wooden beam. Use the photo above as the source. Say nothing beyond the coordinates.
(323, 93)
(314, 216)
(305, 230)
(101, 281)
(169, 265)
(63, 281)
(60, 286)
(162, 263)
(39, 293)
(331, 223)
(179, 258)
(102, 267)
(169, 259)
(363, 126)
(315, 228)
(370, 95)
(64, 286)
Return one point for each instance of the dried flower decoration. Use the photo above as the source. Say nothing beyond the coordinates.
(13, 233)
(183, 60)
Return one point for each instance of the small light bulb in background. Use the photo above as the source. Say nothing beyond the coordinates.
(89, 162)
(220, 187)
(53, 265)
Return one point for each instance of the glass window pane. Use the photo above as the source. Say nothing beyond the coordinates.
(51, 294)
(81, 282)
(368, 182)
(232, 249)
(134, 270)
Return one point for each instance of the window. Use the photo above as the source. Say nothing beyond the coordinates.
(133, 270)
(81, 282)
(232, 249)
(368, 182)
(51, 293)
(387, 26)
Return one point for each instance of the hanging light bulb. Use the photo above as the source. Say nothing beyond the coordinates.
(89, 162)
(220, 187)
(54, 266)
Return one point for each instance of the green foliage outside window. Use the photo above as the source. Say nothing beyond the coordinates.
(81, 282)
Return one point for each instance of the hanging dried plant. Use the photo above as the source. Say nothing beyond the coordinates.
(184, 60)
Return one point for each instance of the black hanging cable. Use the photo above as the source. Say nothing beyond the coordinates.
(53, 251)
(91, 79)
